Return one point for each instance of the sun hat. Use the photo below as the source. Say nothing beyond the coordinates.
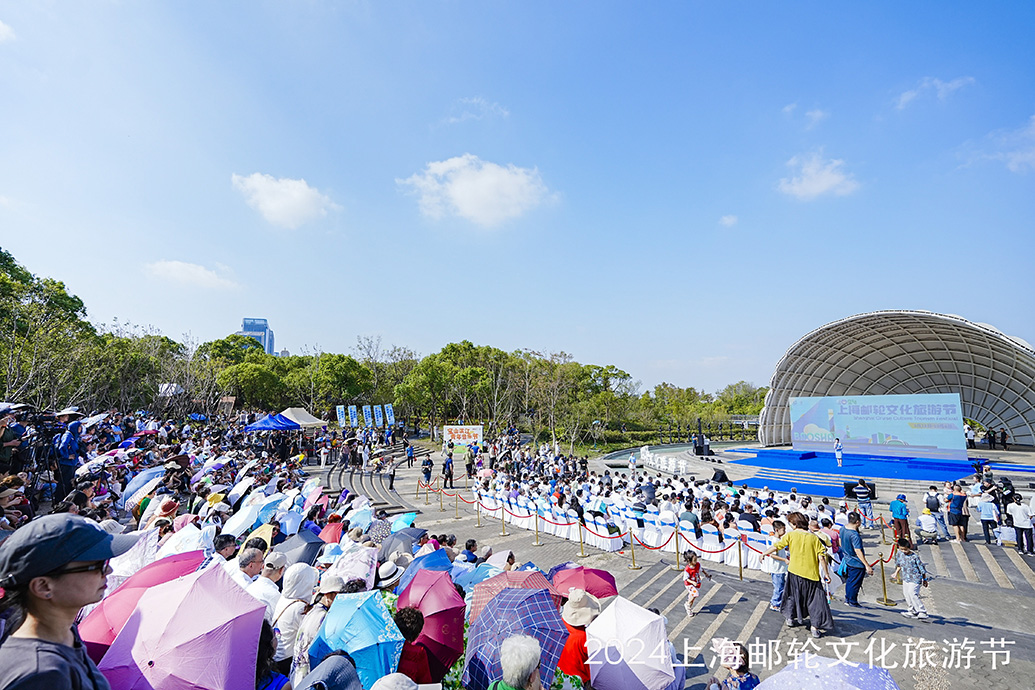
(901, 497)
(7, 492)
(388, 574)
(331, 584)
(401, 558)
(926, 511)
(275, 560)
(580, 609)
(49, 542)
(394, 681)
(335, 672)
(112, 526)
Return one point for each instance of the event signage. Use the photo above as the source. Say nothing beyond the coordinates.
(367, 416)
(464, 435)
(353, 416)
(912, 426)
(379, 417)
(340, 409)
(390, 414)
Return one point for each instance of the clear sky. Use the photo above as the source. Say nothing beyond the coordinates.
(681, 189)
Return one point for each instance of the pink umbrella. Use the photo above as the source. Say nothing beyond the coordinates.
(105, 621)
(485, 473)
(145, 432)
(485, 590)
(332, 532)
(599, 583)
(198, 631)
(312, 497)
(432, 592)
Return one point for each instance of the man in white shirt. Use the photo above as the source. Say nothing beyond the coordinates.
(1021, 515)
(246, 566)
(265, 586)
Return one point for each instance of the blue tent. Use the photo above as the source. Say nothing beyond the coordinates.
(273, 422)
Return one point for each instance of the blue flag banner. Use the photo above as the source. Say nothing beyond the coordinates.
(340, 409)
(390, 414)
(367, 415)
(353, 416)
(379, 417)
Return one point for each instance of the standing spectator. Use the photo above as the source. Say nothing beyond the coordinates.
(578, 612)
(990, 438)
(863, 499)
(447, 472)
(776, 566)
(805, 596)
(692, 580)
(1021, 516)
(971, 436)
(1003, 436)
(914, 576)
(959, 512)
(988, 511)
(853, 557)
(900, 518)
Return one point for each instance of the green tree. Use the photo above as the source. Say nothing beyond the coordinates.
(233, 349)
(253, 384)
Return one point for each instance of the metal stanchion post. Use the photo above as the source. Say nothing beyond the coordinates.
(467, 477)
(417, 495)
(632, 552)
(883, 539)
(441, 501)
(884, 584)
(740, 557)
(456, 500)
(677, 568)
(503, 521)
(427, 494)
(582, 546)
(535, 517)
(478, 510)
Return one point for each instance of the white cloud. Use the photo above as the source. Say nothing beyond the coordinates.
(814, 176)
(192, 275)
(728, 221)
(479, 191)
(815, 117)
(943, 89)
(1015, 148)
(789, 108)
(282, 201)
(6, 33)
(474, 108)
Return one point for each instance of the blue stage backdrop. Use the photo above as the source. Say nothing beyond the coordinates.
(913, 426)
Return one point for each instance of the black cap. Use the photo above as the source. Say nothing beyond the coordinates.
(49, 542)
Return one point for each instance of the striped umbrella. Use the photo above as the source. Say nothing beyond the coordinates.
(485, 591)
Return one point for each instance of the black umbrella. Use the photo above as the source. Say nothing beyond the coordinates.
(304, 547)
(401, 541)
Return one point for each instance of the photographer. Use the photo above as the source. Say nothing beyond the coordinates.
(68, 451)
(10, 439)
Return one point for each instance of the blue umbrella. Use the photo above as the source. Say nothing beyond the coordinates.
(828, 673)
(460, 568)
(531, 566)
(559, 567)
(513, 612)
(127, 444)
(361, 625)
(137, 483)
(436, 560)
(403, 521)
(482, 572)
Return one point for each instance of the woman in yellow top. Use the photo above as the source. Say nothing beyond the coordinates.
(804, 596)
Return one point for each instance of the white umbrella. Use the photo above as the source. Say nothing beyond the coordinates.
(239, 488)
(633, 644)
(241, 521)
(138, 496)
(187, 539)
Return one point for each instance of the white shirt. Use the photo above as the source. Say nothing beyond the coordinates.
(1021, 515)
(265, 590)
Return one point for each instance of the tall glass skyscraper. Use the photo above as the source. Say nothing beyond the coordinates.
(261, 331)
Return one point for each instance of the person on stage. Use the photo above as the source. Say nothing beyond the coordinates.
(838, 449)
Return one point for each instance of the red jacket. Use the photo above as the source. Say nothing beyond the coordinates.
(414, 663)
(574, 657)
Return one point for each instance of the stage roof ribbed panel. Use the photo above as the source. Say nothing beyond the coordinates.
(906, 352)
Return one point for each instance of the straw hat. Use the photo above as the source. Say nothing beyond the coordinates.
(356, 534)
(580, 609)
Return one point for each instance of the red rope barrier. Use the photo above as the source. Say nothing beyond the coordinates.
(655, 548)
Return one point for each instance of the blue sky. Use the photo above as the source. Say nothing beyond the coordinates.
(678, 188)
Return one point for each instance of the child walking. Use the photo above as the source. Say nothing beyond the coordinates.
(692, 580)
(914, 576)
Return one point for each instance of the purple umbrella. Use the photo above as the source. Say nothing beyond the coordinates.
(513, 612)
(197, 631)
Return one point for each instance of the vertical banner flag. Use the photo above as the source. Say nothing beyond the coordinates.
(353, 416)
(340, 409)
(379, 417)
(367, 416)
(390, 414)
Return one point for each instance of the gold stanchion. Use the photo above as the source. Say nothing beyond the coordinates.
(478, 510)
(503, 521)
(417, 495)
(582, 546)
(427, 493)
(456, 500)
(740, 557)
(632, 552)
(883, 539)
(677, 568)
(884, 584)
(466, 478)
(536, 519)
(441, 501)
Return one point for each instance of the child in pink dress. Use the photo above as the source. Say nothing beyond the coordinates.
(692, 580)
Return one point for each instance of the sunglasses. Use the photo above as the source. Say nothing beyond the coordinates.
(99, 565)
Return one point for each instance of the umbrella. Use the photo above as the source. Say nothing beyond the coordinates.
(515, 611)
(361, 625)
(634, 649)
(361, 517)
(435, 560)
(401, 541)
(485, 473)
(248, 465)
(828, 673)
(100, 627)
(197, 631)
(264, 532)
(133, 501)
(289, 521)
(241, 521)
(355, 563)
(127, 444)
(559, 567)
(304, 547)
(138, 482)
(460, 568)
(311, 496)
(239, 489)
(530, 566)
(480, 573)
(187, 539)
(146, 432)
(403, 521)
(443, 634)
(332, 532)
(511, 579)
(599, 583)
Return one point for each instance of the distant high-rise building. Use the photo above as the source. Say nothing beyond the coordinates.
(261, 331)
(285, 353)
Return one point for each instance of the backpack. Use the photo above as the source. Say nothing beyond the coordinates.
(933, 504)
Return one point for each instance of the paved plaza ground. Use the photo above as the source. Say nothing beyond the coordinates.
(981, 602)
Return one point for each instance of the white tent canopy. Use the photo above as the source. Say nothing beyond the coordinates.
(302, 418)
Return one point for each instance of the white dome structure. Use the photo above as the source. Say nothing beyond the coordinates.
(908, 352)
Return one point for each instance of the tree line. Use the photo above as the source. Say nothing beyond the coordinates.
(51, 355)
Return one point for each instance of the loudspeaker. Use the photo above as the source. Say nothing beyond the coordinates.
(719, 477)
